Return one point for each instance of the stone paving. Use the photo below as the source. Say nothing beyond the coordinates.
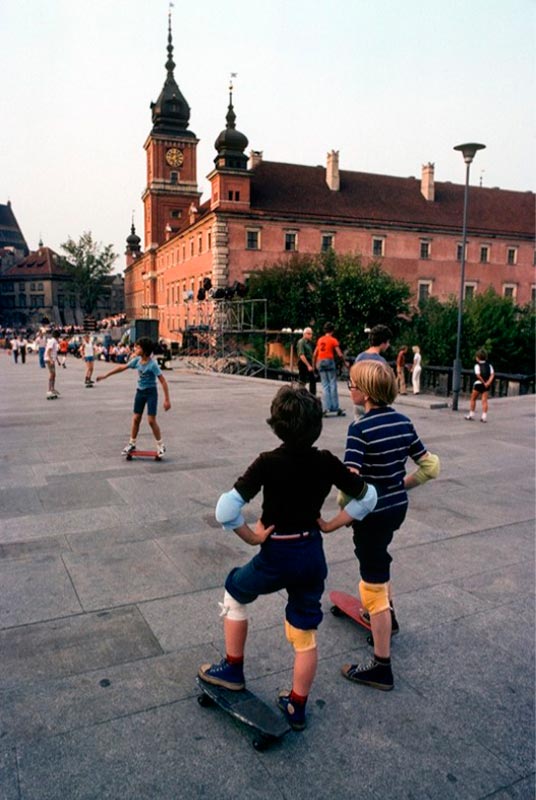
(110, 575)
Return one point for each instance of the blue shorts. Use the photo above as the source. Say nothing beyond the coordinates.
(299, 566)
(89, 358)
(146, 396)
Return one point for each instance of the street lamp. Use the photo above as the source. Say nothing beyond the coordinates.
(468, 151)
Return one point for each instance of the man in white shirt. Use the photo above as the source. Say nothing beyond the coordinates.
(51, 356)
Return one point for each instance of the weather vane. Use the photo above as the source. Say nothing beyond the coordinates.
(233, 75)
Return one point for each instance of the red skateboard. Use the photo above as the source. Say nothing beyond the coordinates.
(143, 454)
(347, 604)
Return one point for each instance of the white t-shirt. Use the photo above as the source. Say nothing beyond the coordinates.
(51, 350)
(89, 351)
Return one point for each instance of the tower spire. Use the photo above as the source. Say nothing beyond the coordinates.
(171, 112)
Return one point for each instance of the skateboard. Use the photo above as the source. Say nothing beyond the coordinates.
(143, 454)
(269, 725)
(51, 396)
(347, 604)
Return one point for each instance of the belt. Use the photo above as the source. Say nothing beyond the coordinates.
(287, 536)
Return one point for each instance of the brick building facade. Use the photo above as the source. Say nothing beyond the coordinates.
(261, 211)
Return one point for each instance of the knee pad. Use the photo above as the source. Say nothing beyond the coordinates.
(299, 639)
(232, 609)
(374, 596)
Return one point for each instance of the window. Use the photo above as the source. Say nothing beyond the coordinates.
(469, 291)
(510, 290)
(191, 247)
(378, 246)
(176, 213)
(237, 196)
(200, 243)
(533, 296)
(291, 241)
(209, 240)
(511, 255)
(39, 287)
(425, 249)
(253, 240)
(9, 286)
(484, 254)
(32, 287)
(424, 291)
(327, 242)
(459, 247)
(229, 195)
(22, 301)
(37, 300)
(174, 177)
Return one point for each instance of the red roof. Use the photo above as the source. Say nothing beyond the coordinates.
(387, 201)
(39, 264)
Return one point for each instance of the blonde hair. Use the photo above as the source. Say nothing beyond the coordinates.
(416, 348)
(376, 380)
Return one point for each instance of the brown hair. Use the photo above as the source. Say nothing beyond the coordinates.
(376, 380)
(296, 416)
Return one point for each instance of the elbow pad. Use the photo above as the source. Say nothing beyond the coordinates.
(358, 509)
(228, 510)
(429, 468)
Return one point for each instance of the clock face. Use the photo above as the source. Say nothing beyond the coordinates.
(174, 157)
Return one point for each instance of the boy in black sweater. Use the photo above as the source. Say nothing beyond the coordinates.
(295, 478)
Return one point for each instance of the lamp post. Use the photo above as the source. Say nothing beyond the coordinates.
(468, 151)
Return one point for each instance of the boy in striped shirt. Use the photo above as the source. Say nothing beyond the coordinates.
(377, 447)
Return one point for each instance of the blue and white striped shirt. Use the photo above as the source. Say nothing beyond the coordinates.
(378, 445)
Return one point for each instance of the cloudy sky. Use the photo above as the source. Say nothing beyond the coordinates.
(390, 85)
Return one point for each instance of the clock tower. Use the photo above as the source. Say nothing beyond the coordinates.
(171, 161)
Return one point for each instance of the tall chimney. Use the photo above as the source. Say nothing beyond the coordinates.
(255, 158)
(427, 182)
(332, 171)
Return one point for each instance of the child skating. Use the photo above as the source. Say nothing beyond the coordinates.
(295, 478)
(377, 446)
(484, 377)
(146, 393)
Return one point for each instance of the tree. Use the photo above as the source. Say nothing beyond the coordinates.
(88, 264)
(308, 290)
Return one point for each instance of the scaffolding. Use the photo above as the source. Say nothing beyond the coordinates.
(217, 335)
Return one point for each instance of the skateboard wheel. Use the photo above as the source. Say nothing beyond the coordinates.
(129, 457)
(261, 744)
(204, 700)
(336, 611)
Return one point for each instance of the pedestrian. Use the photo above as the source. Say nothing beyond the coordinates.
(327, 347)
(146, 393)
(306, 368)
(378, 446)
(484, 377)
(63, 350)
(15, 347)
(51, 357)
(379, 342)
(23, 348)
(401, 369)
(416, 369)
(40, 343)
(87, 351)
(295, 478)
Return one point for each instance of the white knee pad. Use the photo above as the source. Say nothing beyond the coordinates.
(232, 609)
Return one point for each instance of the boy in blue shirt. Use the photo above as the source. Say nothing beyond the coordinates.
(377, 448)
(146, 393)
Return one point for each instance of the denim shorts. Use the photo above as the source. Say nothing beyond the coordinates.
(298, 566)
(146, 396)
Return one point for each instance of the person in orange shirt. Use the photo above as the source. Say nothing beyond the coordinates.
(63, 347)
(327, 347)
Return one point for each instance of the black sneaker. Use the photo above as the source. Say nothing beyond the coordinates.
(294, 714)
(230, 676)
(370, 673)
(341, 413)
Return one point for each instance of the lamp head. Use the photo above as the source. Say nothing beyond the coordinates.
(469, 150)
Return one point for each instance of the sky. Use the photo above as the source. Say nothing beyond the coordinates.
(389, 85)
